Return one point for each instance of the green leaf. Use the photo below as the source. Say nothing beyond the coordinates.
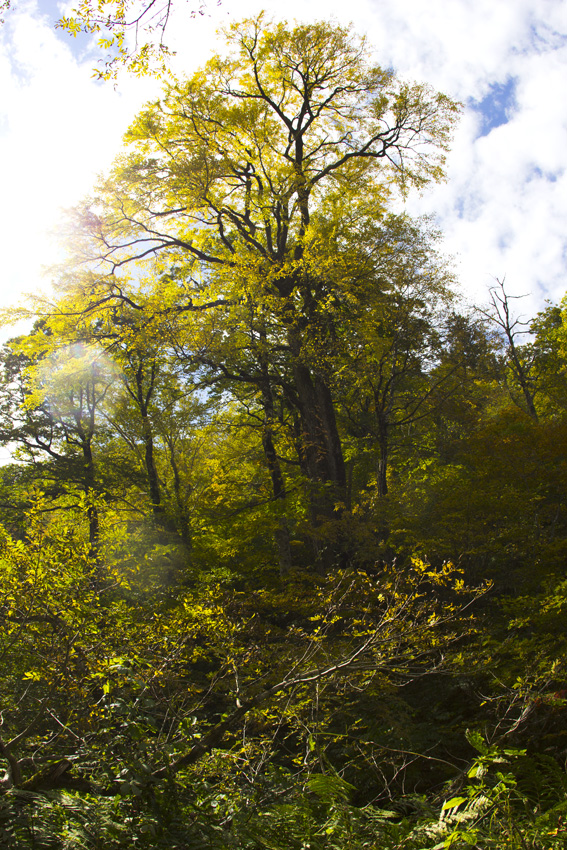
(453, 803)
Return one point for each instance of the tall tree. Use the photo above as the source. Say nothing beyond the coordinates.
(393, 339)
(519, 358)
(50, 407)
(236, 177)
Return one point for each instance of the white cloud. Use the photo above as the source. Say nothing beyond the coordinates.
(503, 210)
(58, 128)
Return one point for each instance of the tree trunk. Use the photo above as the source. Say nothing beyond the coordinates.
(184, 519)
(143, 398)
(321, 450)
(332, 440)
(322, 455)
(93, 517)
(382, 470)
(89, 485)
(281, 534)
(151, 469)
(320, 437)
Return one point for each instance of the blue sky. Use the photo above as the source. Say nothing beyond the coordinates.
(503, 210)
(496, 107)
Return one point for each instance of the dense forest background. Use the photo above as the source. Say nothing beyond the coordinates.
(284, 536)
